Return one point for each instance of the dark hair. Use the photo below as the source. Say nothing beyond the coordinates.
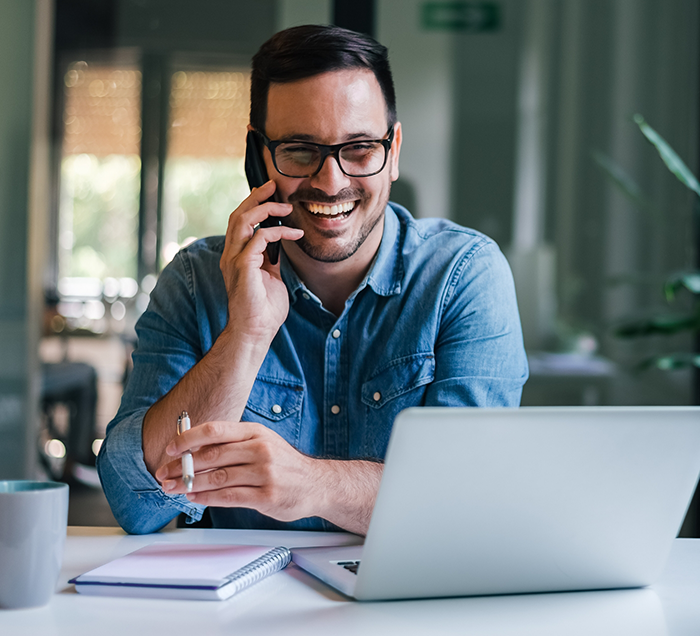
(305, 51)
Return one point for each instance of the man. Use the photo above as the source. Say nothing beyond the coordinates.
(292, 373)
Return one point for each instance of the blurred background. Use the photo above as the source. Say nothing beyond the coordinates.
(122, 128)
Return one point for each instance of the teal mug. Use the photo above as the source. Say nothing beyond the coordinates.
(33, 522)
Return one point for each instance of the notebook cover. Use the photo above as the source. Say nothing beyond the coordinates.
(169, 570)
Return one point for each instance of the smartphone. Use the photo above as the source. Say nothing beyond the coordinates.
(256, 173)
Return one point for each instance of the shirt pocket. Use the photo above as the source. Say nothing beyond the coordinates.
(392, 388)
(397, 378)
(277, 404)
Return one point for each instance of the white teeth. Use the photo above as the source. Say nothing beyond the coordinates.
(330, 210)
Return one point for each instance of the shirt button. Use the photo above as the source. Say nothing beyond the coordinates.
(336, 334)
(305, 296)
(276, 408)
(335, 409)
(377, 396)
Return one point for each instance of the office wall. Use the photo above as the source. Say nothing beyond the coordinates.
(25, 37)
(486, 81)
(206, 26)
(456, 94)
(297, 12)
(422, 63)
(611, 60)
(500, 128)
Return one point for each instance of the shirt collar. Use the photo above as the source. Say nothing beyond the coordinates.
(290, 278)
(385, 274)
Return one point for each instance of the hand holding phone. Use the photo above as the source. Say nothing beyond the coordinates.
(256, 173)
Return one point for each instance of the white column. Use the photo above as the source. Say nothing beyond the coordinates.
(533, 261)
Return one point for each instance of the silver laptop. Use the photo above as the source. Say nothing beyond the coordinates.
(499, 501)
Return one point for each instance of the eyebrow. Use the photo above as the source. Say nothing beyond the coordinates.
(310, 138)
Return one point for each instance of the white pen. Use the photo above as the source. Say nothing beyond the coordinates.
(183, 424)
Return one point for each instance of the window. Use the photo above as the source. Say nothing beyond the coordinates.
(100, 172)
(204, 176)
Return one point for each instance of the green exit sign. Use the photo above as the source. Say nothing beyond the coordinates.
(472, 17)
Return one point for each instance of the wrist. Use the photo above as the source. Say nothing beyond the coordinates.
(247, 338)
(247, 348)
(324, 480)
(345, 492)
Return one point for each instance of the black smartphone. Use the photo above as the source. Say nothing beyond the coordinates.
(256, 174)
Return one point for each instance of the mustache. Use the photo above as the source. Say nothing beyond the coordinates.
(318, 196)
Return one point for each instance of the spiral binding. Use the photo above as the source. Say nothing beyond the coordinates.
(269, 563)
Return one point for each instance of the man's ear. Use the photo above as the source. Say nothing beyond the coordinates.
(395, 151)
(249, 127)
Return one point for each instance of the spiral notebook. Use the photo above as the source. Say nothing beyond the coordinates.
(184, 571)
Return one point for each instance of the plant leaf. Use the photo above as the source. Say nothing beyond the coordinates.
(687, 280)
(659, 325)
(670, 362)
(622, 180)
(674, 163)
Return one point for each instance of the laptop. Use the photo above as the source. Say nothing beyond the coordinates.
(501, 501)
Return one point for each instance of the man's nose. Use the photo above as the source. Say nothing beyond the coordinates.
(330, 179)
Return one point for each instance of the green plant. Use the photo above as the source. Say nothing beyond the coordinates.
(662, 324)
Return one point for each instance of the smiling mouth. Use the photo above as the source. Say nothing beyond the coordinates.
(318, 209)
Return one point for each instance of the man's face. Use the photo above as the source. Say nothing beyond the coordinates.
(339, 214)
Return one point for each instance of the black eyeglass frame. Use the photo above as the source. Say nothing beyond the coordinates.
(328, 151)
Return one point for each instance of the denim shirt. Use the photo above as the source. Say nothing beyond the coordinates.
(434, 323)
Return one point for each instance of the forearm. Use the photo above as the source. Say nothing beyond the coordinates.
(346, 492)
(216, 388)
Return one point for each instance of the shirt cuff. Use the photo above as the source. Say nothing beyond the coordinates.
(122, 468)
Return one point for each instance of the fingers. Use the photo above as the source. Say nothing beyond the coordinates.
(254, 210)
(230, 476)
(264, 192)
(258, 196)
(241, 464)
(213, 457)
(221, 471)
(254, 250)
(214, 444)
(212, 433)
(245, 236)
(239, 497)
(242, 224)
(245, 486)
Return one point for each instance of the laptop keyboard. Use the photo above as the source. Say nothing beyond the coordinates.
(351, 566)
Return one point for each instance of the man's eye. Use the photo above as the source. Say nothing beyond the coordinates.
(296, 149)
(360, 151)
(361, 147)
(297, 152)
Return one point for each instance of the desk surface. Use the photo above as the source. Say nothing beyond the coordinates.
(292, 602)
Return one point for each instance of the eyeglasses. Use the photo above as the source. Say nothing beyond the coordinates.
(300, 159)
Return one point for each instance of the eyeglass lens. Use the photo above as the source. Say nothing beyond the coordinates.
(298, 159)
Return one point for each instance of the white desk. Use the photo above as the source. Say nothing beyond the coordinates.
(292, 602)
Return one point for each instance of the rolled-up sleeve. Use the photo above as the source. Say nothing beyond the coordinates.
(138, 502)
(168, 347)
